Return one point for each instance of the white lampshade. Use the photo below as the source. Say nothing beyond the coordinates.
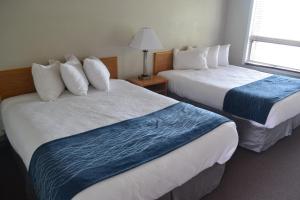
(145, 39)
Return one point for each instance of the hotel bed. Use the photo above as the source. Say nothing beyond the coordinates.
(32, 125)
(210, 88)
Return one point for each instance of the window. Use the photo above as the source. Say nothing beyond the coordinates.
(275, 34)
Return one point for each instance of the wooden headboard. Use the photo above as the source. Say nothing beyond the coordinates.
(162, 61)
(19, 81)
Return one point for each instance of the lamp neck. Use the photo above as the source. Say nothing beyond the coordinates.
(145, 62)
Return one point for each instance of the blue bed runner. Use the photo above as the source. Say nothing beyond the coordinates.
(255, 100)
(62, 168)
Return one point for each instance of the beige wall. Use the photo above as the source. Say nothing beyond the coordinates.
(36, 30)
(236, 28)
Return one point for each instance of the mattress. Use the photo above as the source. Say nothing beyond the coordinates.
(210, 86)
(30, 122)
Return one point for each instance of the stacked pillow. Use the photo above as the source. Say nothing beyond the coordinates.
(213, 57)
(97, 73)
(190, 59)
(47, 80)
(50, 81)
(73, 76)
(223, 55)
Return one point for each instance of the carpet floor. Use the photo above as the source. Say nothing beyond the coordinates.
(272, 175)
(11, 186)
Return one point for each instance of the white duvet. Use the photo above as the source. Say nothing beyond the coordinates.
(210, 86)
(30, 122)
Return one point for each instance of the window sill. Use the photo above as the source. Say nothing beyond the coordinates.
(280, 68)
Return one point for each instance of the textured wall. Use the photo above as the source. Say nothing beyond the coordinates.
(236, 28)
(36, 30)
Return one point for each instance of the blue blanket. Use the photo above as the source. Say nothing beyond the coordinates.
(255, 100)
(62, 168)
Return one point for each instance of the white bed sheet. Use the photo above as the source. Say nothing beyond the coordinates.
(30, 122)
(210, 86)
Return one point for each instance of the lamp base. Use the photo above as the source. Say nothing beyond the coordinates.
(144, 77)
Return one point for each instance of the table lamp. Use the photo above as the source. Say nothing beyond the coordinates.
(145, 39)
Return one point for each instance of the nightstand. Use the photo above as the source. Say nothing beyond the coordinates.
(156, 84)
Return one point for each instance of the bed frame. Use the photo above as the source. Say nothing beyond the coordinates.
(162, 61)
(14, 82)
(194, 189)
(252, 137)
(19, 81)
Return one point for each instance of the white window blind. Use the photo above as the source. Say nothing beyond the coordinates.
(275, 34)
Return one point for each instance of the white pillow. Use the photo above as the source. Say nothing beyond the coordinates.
(97, 73)
(47, 81)
(73, 76)
(73, 79)
(224, 54)
(212, 55)
(190, 59)
(73, 60)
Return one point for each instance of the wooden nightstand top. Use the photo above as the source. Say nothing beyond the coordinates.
(155, 80)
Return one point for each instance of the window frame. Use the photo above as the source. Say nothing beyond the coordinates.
(254, 38)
